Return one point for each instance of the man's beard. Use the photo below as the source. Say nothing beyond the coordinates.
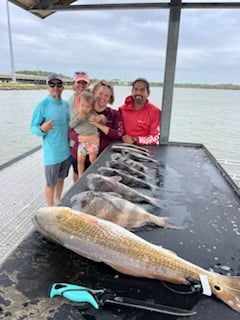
(138, 99)
(56, 96)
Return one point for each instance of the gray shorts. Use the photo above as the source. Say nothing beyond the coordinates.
(57, 171)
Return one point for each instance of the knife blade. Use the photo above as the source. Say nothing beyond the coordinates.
(143, 305)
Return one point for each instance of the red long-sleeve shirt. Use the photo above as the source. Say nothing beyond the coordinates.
(143, 124)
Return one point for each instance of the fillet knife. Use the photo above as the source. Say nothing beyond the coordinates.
(98, 298)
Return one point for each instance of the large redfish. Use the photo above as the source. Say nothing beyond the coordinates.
(104, 241)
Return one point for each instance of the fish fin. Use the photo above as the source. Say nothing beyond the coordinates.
(116, 178)
(163, 222)
(106, 194)
(125, 269)
(155, 189)
(227, 289)
(169, 251)
(170, 223)
(87, 217)
(162, 204)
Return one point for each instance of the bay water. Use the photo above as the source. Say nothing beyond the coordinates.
(207, 116)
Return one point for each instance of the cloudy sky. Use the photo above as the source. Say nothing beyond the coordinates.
(123, 44)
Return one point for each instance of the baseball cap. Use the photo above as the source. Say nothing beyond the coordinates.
(54, 76)
(81, 76)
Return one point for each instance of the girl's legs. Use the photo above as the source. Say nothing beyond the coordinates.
(92, 157)
(93, 149)
(86, 148)
(81, 158)
(81, 164)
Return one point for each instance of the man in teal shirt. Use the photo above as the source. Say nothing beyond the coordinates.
(50, 121)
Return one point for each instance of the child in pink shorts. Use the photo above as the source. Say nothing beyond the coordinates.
(88, 135)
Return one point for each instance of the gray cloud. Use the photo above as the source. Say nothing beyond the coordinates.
(124, 44)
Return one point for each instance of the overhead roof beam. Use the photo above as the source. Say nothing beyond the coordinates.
(119, 6)
(44, 4)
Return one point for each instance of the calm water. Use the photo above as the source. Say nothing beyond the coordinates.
(204, 116)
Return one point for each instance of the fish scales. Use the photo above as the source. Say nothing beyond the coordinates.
(138, 156)
(123, 148)
(123, 166)
(126, 178)
(125, 247)
(130, 162)
(133, 146)
(124, 251)
(112, 207)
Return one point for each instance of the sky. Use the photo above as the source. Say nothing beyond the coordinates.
(123, 44)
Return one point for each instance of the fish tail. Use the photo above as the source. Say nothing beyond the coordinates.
(163, 222)
(157, 203)
(169, 223)
(227, 289)
(155, 189)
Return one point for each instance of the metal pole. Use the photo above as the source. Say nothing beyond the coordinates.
(10, 44)
(170, 66)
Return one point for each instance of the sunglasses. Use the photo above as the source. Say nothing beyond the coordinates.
(82, 73)
(106, 84)
(58, 85)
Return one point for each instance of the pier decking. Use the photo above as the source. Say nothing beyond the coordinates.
(21, 184)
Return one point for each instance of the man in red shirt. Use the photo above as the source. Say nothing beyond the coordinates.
(140, 117)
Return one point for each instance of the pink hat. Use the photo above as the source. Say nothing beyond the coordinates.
(81, 76)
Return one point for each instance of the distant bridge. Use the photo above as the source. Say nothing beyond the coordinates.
(27, 78)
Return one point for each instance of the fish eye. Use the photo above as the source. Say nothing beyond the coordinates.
(84, 203)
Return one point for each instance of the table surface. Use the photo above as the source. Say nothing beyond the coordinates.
(198, 197)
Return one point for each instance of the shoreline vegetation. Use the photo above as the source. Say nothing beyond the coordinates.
(32, 86)
(35, 80)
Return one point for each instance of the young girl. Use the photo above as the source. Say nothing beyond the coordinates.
(87, 132)
(81, 82)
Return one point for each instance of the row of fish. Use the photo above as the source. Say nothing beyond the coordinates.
(118, 206)
(88, 229)
(98, 182)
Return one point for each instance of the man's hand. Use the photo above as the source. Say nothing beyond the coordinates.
(47, 125)
(127, 139)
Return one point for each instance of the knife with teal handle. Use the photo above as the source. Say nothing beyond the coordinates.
(97, 298)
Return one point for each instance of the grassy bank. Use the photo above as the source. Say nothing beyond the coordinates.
(20, 86)
(31, 86)
(23, 86)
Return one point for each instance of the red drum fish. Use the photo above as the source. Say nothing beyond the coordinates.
(103, 241)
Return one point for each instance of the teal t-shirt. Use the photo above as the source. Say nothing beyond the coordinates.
(54, 142)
